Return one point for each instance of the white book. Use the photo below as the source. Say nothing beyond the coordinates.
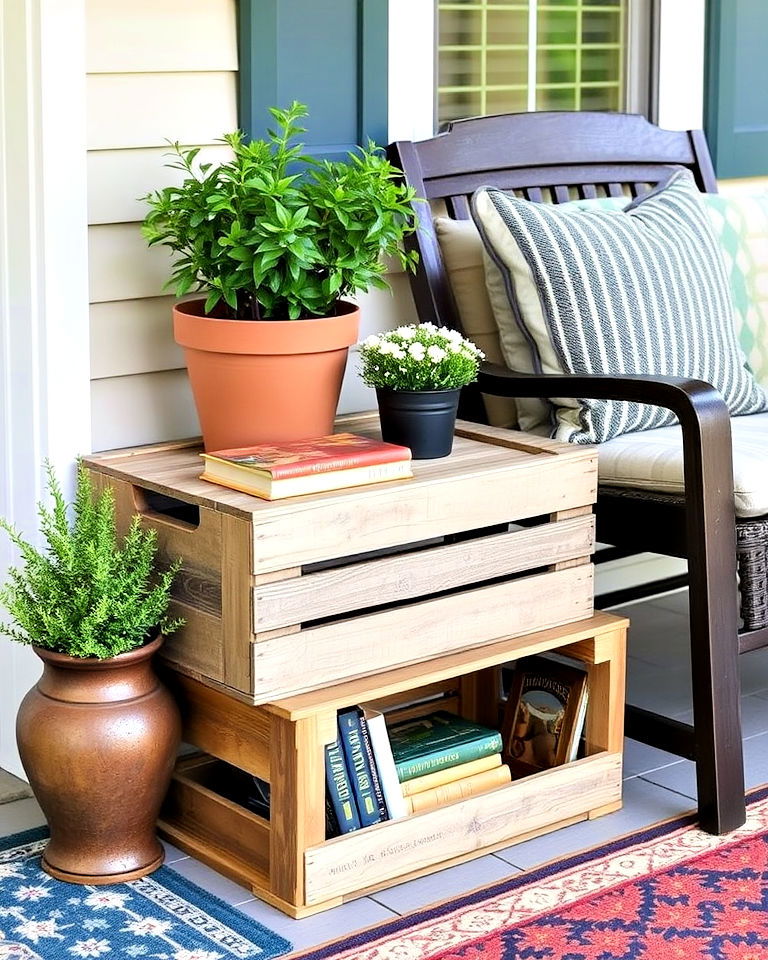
(385, 764)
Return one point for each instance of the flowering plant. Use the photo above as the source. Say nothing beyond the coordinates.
(419, 357)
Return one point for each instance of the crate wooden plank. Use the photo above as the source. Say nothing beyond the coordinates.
(389, 850)
(222, 726)
(385, 515)
(196, 647)
(580, 638)
(322, 655)
(236, 562)
(216, 822)
(404, 577)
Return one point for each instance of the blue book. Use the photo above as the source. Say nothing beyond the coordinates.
(339, 787)
(351, 736)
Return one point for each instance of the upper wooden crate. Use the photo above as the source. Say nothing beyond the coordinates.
(293, 595)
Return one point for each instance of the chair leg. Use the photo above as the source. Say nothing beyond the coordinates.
(716, 691)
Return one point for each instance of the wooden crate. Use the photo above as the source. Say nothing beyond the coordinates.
(284, 597)
(288, 862)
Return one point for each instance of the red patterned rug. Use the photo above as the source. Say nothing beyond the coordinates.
(670, 892)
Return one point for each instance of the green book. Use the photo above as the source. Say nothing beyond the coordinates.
(438, 741)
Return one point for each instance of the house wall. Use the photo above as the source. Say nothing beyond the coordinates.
(159, 69)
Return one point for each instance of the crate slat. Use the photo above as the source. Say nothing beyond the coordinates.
(411, 575)
(381, 853)
(318, 656)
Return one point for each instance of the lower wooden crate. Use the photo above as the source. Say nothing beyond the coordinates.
(289, 863)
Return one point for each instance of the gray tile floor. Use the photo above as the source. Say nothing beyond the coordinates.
(657, 786)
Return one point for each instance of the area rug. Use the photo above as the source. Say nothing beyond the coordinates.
(160, 917)
(670, 892)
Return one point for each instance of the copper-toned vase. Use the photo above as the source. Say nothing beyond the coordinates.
(98, 740)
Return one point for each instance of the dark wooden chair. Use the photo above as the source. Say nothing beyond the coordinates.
(600, 153)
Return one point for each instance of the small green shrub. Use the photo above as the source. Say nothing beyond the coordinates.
(86, 594)
(419, 357)
(274, 234)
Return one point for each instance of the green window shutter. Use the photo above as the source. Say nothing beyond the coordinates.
(736, 104)
(330, 55)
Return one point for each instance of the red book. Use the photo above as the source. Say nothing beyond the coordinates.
(274, 471)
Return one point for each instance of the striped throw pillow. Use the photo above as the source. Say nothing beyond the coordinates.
(639, 290)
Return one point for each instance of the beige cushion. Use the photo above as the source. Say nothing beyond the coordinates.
(653, 460)
(462, 251)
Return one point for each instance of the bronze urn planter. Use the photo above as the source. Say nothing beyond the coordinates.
(98, 740)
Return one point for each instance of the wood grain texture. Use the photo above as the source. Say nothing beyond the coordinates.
(385, 851)
(419, 631)
(606, 682)
(387, 683)
(236, 564)
(221, 726)
(297, 799)
(214, 821)
(412, 575)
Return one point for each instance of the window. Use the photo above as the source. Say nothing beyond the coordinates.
(499, 57)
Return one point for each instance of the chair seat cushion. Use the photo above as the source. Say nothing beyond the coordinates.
(653, 460)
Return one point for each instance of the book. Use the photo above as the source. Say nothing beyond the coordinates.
(339, 787)
(439, 740)
(359, 767)
(332, 828)
(378, 792)
(273, 471)
(545, 711)
(459, 789)
(431, 780)
(385, 764)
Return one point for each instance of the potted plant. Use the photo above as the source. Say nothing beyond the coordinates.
(418, 372)
(279, 240)
(98, 733)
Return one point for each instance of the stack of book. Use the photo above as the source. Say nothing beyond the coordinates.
(442, 758)
(274, 471)
(375, 773)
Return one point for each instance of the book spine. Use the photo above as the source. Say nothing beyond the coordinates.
(385, 764)
(459, 790)
(449, 774)
(339, 786)
(373, 458)
(358, 766)
(332, 828)
(449, 757)
(378, 792)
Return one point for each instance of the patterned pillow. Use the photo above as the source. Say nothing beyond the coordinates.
(639, 290)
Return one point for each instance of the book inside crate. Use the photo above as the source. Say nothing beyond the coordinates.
(419, 754)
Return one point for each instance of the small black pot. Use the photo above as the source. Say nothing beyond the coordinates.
(420, 419)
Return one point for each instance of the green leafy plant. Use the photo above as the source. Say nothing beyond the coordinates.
(274, 234)
(419, 357)
(86, 594)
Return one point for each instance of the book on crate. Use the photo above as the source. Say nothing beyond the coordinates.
(275, 471)
(439, 741)
(545, 714)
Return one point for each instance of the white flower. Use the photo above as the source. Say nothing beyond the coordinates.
(372, 341)
(90, 948)
(31, 893)
(35, 929)
(406, 333)
(455, 347)
(417, 350)
(454, 335)
(148, 926)
(427, 326)
(106, 898)
(398, 353)
(435, 353)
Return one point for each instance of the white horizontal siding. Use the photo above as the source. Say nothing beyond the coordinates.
(161, 35)
(149, 109)
(133, 336)
(118, 179)
(122, 266)
(128, 411)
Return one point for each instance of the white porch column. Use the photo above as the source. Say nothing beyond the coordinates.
(44, 357)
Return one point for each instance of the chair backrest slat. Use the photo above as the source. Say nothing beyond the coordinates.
(541, 156)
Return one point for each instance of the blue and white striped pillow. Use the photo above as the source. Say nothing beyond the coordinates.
(638, 290)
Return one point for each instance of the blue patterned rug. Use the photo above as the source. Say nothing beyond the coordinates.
(160, 917)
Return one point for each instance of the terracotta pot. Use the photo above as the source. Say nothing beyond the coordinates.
(98, 740)
(264, 380)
